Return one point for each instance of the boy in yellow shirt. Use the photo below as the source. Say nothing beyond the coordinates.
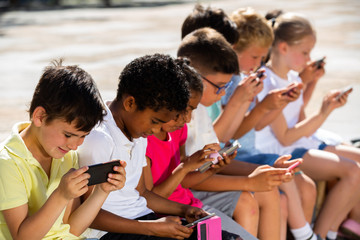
(39, 186)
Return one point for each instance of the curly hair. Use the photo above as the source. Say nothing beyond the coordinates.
(192, 76)
(156, 82)
(68, 93)
(214, 18)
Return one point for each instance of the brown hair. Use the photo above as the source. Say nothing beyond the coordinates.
(68, 93)
(209, 52)
(291, 28)
(215, 18)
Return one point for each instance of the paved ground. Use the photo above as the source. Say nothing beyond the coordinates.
(104, 40)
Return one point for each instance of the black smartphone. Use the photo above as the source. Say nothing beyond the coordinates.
(193, 224)
(99, 172)
(319, 62)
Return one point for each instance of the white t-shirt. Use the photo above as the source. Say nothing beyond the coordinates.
(107, 142)
(265, 139)
(200, 131)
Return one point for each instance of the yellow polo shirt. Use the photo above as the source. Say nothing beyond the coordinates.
(23, 180)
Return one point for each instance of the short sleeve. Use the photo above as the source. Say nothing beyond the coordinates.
(96, 148)
(12, 188)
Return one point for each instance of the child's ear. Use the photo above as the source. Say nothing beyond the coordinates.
(39, 116)
(129, 104)
(283, 47)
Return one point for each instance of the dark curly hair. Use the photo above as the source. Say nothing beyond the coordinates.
(192, 76)
(156, 82)
(214, 18)
(68, 93)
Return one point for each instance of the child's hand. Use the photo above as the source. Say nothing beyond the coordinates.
(284, 162)
(224, 161)
(74, 183)
(331, 101)
(117, 180)
(293, 91)
(200, 157)
(248, 88)
(265, 178)
(170, 227)
(275, 99)
(193, 213)
(311, 73)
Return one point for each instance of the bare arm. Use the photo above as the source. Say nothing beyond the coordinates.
(36, 226)
(310, 76)
(81, 216)
(22, 226)
(234, 111)
(264, 178)
(307, 126)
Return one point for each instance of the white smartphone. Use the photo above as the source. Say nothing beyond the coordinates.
(193, 224)
(228, 150)
(344, 91)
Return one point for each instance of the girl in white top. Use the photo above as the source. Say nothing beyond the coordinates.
(291, 130)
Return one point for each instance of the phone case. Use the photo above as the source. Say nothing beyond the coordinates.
(99, 172)
(209, 229)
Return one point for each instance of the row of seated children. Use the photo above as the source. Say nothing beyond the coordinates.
(156, 95)
(291, 32)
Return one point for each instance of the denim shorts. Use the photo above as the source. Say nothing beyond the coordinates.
(300, 152)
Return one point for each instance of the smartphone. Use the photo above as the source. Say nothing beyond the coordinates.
(259, 74)
(228, 150)
(193, 224)
(289, 91)
(319, 62)
(292, 166)
(99, 172)
(344, 91)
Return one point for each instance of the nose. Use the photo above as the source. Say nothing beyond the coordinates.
(222, 93)
(156, 129)
(187, 117)
(74, 143)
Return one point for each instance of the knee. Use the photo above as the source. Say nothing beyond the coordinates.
(308, 192)
(248, 201)
(353, 174)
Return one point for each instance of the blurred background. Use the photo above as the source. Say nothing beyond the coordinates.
(102, 36)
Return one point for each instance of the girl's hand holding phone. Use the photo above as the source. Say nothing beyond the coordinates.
(313, 71)
(200, 157)
(334, 99)
(293, 91)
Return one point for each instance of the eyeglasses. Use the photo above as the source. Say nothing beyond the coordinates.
(220, 89)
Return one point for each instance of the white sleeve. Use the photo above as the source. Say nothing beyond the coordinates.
(96, 148)
(266, 89)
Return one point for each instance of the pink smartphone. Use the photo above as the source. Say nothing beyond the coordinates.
(293, 166)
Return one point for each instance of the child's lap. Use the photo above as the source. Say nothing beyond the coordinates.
(223, 201)
(261, 159)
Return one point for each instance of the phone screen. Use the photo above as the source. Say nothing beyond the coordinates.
(191, 225)
(99, 172)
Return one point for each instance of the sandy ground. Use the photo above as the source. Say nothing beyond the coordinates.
(104, 40)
